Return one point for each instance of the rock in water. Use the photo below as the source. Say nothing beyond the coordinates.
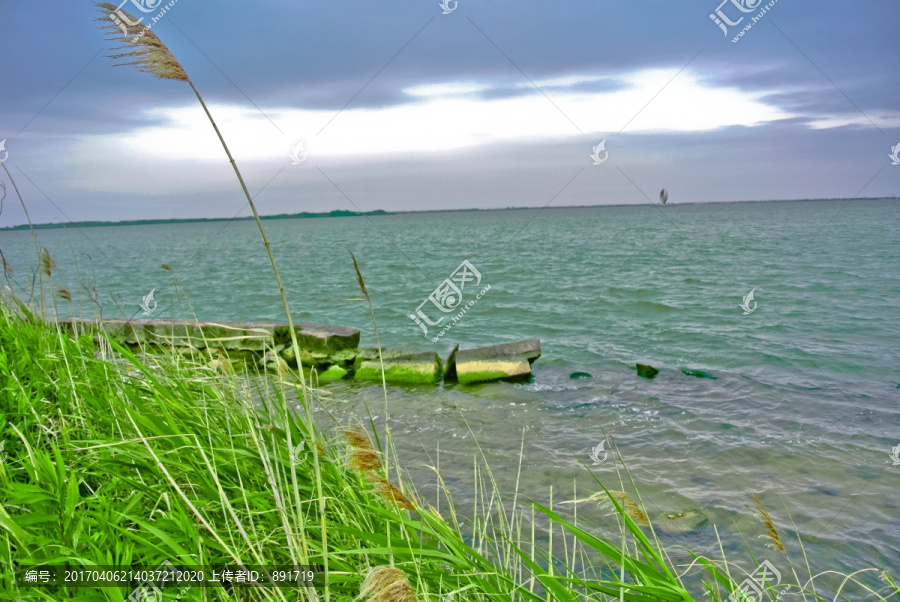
(698, 373)
(646, 371)
(399, 366)
(509, 361)
(333, 373)
(682, 522)
(319, 343)
(577, 375)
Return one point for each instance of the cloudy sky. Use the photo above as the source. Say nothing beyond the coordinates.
(397, 106)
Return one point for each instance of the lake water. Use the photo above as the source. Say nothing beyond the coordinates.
(803, 412)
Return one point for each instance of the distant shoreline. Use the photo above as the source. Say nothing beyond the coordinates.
(186, 220)
(379, 212)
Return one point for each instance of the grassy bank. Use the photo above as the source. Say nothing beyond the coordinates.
(113, 461)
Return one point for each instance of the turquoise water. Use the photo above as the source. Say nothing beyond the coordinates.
(803, 413)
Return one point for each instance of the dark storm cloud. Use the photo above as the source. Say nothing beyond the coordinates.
(832, 59)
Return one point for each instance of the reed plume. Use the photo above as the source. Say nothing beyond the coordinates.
(631, 507)
(771, 531)
(359, 277)
(390, 491)
(7, 269)
(628, 504)
(63, 293)
(363, 456)
(166, 267)
(48, 264)
(387, 584)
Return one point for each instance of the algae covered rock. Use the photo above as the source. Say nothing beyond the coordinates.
(675, 523)
(319, 343)
(645, 371)
(334, 373)
(508, 361)
(399, 366)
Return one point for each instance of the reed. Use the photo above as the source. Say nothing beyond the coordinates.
(387, 584)
(147, 53)
(771, 531)
(34, 238)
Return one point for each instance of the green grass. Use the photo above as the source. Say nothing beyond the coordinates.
(112, 461)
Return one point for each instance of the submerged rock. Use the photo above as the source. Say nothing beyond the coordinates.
(508, 361)
(681, 522)
(646, 371)
(577, 375)
(334, 372)
(399, 366)
(698, 373)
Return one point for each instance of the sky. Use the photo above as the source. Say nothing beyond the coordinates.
(399, 106)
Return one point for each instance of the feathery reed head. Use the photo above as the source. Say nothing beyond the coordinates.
(144, 50)
(63, 293)
(166, 267)
(631, 507)
(363, 456)
(48, 264)
(391, 492)
(7, 269)
(628, 504)
(387, 584)
(771, 531)
(359, 278)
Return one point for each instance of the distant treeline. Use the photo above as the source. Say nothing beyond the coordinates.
(145, 222)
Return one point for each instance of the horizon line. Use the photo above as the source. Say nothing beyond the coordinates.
(381, 212)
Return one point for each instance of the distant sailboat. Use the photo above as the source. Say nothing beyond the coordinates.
(663, 196)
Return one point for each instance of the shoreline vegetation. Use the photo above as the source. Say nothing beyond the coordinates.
(119, 459)
(378, 212)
